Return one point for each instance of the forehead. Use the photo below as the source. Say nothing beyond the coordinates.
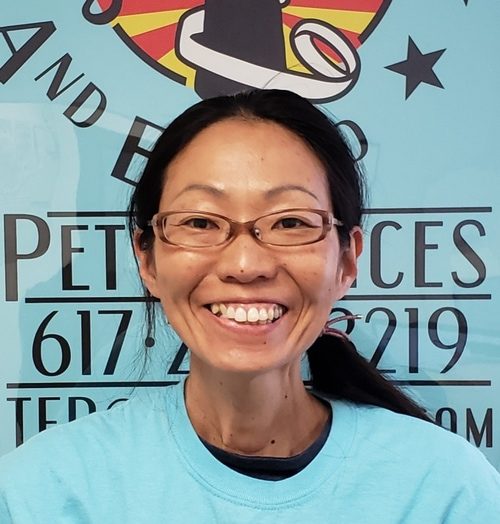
(247, 160)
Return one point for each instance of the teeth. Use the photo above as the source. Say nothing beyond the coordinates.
(270, 313)
(215, 308)
(254, 315)
(240, 315)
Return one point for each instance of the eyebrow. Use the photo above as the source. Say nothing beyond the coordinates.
(202, 187)
(276, 191)
(272, 193)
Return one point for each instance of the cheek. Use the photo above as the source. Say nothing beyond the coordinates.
(178, 274)
(315, 271)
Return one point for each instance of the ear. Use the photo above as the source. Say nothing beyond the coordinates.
(348, 263)
(145, 257)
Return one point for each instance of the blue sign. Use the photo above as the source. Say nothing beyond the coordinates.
(87, 87)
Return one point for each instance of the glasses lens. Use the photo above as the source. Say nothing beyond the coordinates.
(194, 229)
(290, 228)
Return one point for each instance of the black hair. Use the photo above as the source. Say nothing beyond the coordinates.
(337, 370)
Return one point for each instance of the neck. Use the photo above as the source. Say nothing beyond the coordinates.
(269, 414)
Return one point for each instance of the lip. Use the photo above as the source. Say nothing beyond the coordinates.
(254, 300)
(239, 329)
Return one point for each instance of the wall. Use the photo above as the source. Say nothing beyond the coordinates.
(86, 88)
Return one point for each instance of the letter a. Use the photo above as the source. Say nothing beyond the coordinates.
(22, 54)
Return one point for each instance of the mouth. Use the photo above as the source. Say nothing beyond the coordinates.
(249, 314)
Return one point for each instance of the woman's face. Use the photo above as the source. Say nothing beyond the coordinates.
(243, 170)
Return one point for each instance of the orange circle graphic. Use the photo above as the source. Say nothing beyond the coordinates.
(312, 47)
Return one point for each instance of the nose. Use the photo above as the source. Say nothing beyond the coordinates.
(245, 260)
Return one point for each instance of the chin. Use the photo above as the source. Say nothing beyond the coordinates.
(246, 361)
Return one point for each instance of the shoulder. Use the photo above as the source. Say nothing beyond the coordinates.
(63, 471)
(424, 454)
(400, 435)
(57, 442)
(88, 441)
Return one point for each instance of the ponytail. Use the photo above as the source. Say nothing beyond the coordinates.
(338, 371)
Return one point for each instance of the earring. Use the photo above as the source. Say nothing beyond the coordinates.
(329, 330)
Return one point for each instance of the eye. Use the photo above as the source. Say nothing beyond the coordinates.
(291, 223)
(199, 223)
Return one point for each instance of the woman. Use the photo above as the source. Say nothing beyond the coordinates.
(246, 227)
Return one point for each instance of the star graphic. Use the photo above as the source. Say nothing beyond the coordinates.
(417, 68)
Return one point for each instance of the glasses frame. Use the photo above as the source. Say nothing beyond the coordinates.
(236, 227)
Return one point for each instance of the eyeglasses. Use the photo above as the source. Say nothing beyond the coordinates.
(288, 227)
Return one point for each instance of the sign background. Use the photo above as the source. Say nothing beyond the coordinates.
(433, 212)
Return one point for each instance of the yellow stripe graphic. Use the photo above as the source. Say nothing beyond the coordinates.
(170, 61)
(292, 63)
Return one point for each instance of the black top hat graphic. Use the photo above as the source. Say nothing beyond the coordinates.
(250, 30)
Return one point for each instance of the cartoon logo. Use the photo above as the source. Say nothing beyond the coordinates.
(223, 46)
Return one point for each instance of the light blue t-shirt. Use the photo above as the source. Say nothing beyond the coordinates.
(142, 462)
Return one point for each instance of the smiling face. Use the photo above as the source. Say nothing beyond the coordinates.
(245, 169)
